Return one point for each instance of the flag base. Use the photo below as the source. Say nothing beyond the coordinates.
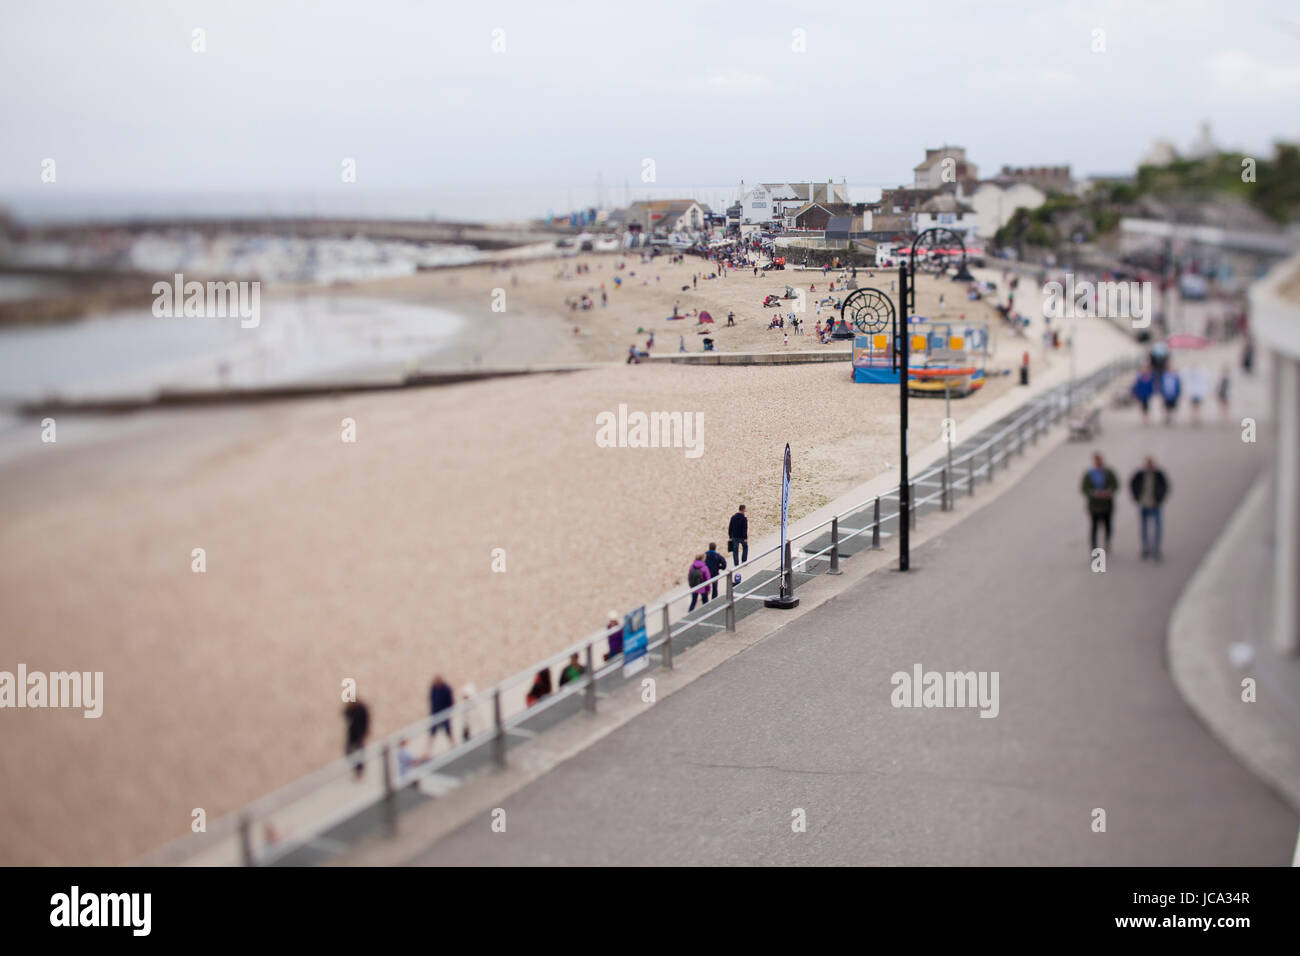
(785, 602)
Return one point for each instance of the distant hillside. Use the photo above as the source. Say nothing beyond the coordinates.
(1274, 193)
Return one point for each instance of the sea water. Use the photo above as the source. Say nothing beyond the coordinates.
(308, 338)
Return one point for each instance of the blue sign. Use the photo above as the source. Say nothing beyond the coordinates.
(635, 658)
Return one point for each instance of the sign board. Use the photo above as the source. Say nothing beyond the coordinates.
(785, 511)
(635, 658)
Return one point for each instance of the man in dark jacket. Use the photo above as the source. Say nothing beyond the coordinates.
(1099, 486)
(357, 718)
(738, 537)
(716, 562)
(1149, 487)
(440, 698)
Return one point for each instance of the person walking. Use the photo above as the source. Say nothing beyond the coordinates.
(441, 698)
(1099, 486)
(717, 564)
(1171, 386)
(1150, 487)
(356, 717)
(698, 578)
(541, 686)
(615, 637)
(1143, 388)
(1224, 391)
(1198, 389)
(738, 537)
(572, 671)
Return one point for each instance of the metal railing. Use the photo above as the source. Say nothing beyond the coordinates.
(299, 815)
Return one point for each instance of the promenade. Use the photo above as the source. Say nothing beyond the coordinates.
(1088, 714)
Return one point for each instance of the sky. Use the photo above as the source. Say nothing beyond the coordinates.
(414, 93)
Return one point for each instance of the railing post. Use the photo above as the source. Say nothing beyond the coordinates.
(246, 840)
(729, 615)
(590, 702)
(970, 475)
(390, 794)
(946, 498)
(499, 730)
(835, 546)
(668, 639)
(875, 525)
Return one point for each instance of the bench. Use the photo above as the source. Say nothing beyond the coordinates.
(1085, 425)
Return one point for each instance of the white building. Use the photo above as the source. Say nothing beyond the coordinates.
(945, 210)
(668, 216)
(770, 203)
(994, 205)
(1161, 153)
(1275, 321)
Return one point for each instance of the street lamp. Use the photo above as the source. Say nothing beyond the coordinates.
(941, 240)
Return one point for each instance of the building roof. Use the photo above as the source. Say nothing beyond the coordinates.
(834, 208)
(933, 156)
(839, 224)
(944, 202)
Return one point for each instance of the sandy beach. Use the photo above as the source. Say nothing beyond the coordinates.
(372, 560)
(537, 326)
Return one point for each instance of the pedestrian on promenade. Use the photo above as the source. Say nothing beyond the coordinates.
(406, 760)
(717, 564)
(1198, 389)
(1099, 487)
(1171, 386)
(1143, 388)
(616, 637)
(572, 671)
(541, 686)
(1149, 487)
(1248, 357)
(1225, 388)
(441, 698)
(681, 343)
(356, 717)
(698, 578)
(738, 537)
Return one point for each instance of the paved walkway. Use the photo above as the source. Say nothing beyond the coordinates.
(1089, 717)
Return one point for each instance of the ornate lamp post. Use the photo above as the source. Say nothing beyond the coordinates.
(936, 243)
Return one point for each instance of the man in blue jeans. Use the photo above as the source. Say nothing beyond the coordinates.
(1149, 487)
(738, 537)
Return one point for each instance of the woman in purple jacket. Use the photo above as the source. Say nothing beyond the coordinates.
(698, 575)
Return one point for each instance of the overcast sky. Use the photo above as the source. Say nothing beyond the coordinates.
(712, 92)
